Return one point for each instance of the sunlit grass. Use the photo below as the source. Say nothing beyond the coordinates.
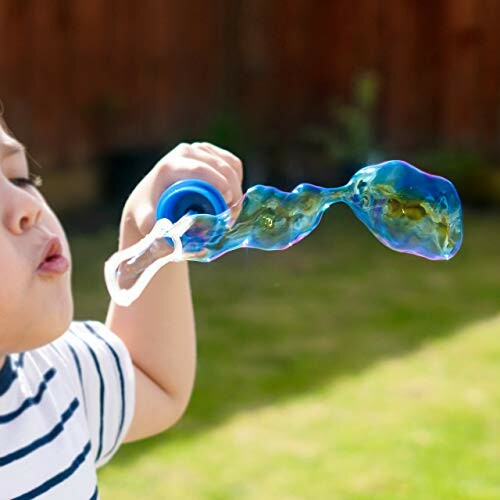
(335, 369)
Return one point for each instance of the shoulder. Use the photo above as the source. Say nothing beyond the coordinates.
(94, 337)
(100, 356)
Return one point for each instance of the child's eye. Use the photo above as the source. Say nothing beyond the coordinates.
(34, 180)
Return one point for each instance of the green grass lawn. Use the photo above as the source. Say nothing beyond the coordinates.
(335, 369)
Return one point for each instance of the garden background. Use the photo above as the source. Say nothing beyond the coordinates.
(337, 368)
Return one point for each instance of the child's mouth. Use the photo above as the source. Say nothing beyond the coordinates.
(56, 264)
(53, 261)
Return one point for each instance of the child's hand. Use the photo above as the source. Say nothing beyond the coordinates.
(200, 160)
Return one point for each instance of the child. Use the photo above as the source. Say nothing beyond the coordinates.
(72, 391)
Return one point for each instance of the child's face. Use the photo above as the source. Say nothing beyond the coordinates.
(34, 308)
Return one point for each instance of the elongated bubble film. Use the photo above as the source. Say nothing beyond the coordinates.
(407, 209)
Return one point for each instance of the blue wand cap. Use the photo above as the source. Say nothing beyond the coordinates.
(189, 196)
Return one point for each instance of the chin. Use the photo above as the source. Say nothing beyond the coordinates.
(37, 323)
(60, 321)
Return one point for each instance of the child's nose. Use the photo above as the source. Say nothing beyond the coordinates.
(22, 212)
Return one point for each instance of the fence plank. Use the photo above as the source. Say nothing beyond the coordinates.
(86, 76)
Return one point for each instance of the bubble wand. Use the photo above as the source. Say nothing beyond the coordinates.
(407, 209)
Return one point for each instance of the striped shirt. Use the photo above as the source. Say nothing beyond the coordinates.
(65, 408)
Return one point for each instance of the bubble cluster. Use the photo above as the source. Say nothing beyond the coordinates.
(407, 209)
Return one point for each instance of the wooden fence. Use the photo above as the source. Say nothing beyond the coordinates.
(79, 77)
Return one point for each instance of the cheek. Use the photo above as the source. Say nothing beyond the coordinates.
(14, 315)
(54, 225)
(33, 311)
(13, 279)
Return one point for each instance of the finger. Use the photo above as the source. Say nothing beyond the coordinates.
(232, 159)
(197, 169)
(221, 166)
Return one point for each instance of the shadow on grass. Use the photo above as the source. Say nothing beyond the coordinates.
(273, 325)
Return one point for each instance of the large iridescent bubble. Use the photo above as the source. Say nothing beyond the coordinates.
(407, 209)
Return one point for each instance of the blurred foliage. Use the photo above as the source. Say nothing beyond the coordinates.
(476, 177)
(349, 141)
(225, 128)
(349, 137)
(262, 154)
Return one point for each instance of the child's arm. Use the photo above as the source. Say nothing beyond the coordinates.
(159, 327)
(159, 332)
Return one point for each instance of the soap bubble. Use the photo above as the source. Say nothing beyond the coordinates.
(407, 209)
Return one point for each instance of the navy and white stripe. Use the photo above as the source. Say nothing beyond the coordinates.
(101, 407)
(7, 376)
(122, 384)
(65, 408)
(31, 400)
